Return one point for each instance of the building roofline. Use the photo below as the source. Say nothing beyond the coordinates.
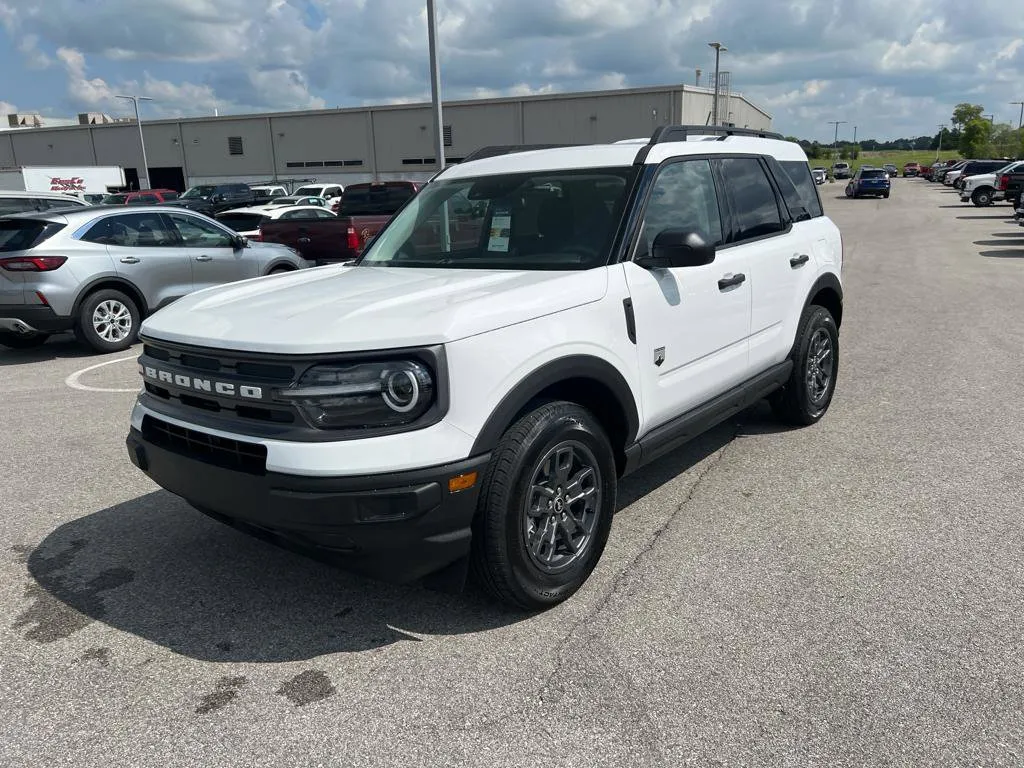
(538, 97)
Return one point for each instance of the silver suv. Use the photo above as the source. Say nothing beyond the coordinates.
(100, 270)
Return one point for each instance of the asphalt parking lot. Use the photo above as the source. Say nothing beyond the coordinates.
(847, 594)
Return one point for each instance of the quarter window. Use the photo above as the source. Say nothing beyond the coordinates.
(683, 197)
(755, 207)
(799, 173)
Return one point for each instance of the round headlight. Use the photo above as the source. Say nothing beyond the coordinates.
(400, 390)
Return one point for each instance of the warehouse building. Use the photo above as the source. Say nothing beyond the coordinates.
(363, 143)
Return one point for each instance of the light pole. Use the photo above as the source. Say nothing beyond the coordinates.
(855, 134)
(435, 83)
(942, 128)
(1020, 121)
(142, 142)
(718, 54)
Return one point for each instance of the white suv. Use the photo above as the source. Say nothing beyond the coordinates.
(528, 329)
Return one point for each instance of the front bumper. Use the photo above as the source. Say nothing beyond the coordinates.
(397, 527)
(27, 319)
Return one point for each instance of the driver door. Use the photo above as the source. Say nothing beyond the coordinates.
(692, 323)
(211, 249)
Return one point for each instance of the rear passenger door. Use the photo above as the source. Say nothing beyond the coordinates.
(212, 252)
(144, 252)
(780, 251)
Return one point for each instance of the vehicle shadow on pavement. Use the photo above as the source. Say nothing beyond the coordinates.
(1006, 241)
(156, 568)
(1004, 253)
(1007, 217)
(65, 346)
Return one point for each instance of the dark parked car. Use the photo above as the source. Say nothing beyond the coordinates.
(975, 167)
(869, 181)
(214, 198)
(891, 169)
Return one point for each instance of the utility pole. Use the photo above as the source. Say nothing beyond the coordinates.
(942, 128)
(855, 134)
(714, 107)
(144, 176)
(835, 141)
(1020, 121)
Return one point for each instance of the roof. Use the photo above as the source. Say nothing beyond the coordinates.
(620, 155)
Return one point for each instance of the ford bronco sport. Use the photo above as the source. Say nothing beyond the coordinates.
(529, 328)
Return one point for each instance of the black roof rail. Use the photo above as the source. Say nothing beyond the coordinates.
(508, 149)
(664, 133)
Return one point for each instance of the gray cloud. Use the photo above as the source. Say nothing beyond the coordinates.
(893, 68)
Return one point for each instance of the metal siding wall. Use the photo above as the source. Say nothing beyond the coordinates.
(341, 136)
(7, 159)
(596, 119)
(33, 147)
(206, 147)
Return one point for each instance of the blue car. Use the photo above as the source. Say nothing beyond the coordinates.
(869, 181)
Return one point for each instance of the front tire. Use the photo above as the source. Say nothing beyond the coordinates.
(546, 506)
(807, 395)
(19, 341)
(108, 321)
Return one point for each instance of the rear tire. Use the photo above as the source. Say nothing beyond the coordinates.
(807, 395)
(18, 341)
(545, 508)
(108, 321)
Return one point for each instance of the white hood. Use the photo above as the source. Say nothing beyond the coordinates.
(337, 309)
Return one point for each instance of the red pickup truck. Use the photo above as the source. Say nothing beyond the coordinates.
(361, 213)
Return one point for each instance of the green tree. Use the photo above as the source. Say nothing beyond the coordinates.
(975, 138)
(964, 113)
(1004, 142)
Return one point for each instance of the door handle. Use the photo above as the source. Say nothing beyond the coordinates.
(204, 257)
(730, 280)
(799, 261)
(129, 260)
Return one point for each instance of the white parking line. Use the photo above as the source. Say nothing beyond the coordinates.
(73, 380)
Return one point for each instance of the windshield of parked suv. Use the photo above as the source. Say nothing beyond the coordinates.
(558, 220)
(308, 191)
(374, 199)
(200, 192)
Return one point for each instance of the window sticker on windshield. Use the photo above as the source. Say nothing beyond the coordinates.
(501, 230)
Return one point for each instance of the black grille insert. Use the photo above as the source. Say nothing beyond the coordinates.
(219, 451)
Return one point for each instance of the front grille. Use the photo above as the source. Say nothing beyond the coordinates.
(210, 363)
(210, 449)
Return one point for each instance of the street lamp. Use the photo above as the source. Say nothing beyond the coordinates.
(835, 141)
(142, 142)
(719, 48)
(435, 83)
(1020, 121)
(942, 129)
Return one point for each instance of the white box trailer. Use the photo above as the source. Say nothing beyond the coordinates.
(74, 180)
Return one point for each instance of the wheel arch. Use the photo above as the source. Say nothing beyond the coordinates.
(277, 263)
(827, 292)
(115, 283)
(588, 381)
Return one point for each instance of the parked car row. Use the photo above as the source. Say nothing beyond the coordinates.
(981, 182)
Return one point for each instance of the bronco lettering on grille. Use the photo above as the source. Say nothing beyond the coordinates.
(223, 388)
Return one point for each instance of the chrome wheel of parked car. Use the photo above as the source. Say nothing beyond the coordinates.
(112, 321)
(562, 506)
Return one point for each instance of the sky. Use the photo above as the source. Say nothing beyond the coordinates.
(891, 67)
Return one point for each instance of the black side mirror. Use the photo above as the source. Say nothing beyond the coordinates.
(677, 248)
(240, 242)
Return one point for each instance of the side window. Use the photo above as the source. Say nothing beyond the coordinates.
(756, 209)
(683, 197)
(324, 215)
(131, 230)
(16, 205)
(798, 187)
(196, 233)
(299, 215)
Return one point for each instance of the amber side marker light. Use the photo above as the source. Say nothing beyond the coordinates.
(461, 482)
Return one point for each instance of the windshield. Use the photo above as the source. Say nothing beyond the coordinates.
(308, 191)
(115, 199)
(558, 220)
(201, 192)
